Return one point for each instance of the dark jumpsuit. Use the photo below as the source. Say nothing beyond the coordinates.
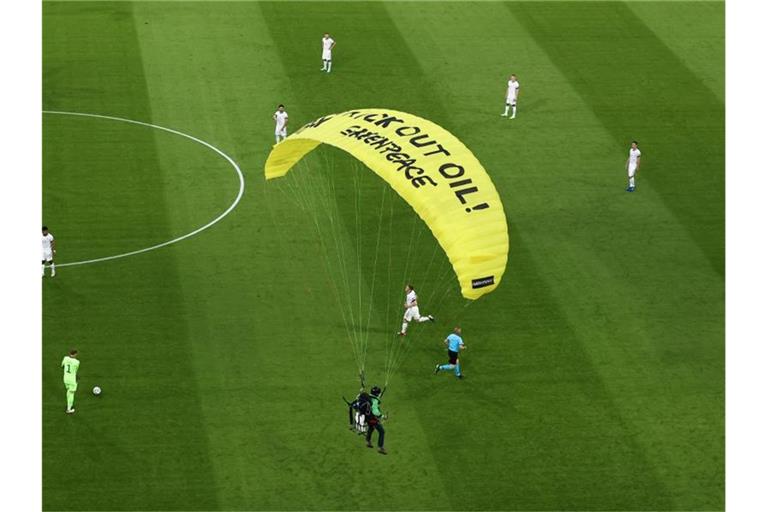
(374, 422)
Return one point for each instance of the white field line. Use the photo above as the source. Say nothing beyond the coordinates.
(178, 239)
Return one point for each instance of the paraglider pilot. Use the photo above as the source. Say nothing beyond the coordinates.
(374, 420)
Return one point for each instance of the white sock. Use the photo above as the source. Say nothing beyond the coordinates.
(43, 269)
(423, 319)
(631, 182)
(329, 66)
(53, 269)
(325, 65)
(506, 109)
(405, 327)
(514, 111)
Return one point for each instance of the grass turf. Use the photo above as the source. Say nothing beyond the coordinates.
(595, 372)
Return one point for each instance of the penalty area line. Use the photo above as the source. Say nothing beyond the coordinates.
(175, 132)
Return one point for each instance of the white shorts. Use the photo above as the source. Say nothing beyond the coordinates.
(281, 133)
(47, 255)
(326, 54)
(360, 424)
(511, 101)
(412, 313)
(631, 170)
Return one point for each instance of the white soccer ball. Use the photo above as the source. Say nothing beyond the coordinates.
(96, 390)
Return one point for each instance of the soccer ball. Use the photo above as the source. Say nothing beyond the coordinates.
(96, 390)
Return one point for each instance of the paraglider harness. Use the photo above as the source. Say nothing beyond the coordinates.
(361, 416)
(360, 412)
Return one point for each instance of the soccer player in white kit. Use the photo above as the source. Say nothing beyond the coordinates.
(49, 249)
(281, 123)
(328, 44)
(633, 165)
(513, 87)
(412, 310)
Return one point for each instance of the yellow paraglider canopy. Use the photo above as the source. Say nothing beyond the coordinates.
(432, 171)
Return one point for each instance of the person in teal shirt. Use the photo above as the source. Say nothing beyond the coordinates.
(70, 364)
(455, 345)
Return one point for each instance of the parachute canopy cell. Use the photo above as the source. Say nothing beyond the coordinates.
(432, 171)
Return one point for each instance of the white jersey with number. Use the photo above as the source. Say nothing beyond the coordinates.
(47, 247)
(512, 87)
(280, 119)
(634, 154)
(327, 44)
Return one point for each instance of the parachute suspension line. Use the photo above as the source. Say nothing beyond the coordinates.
(360, 330)
(403, 348)
(293, 191)
(358, 250)
(431, 260)
(397, 356)
(444, 279)
(343, 267)
(471, 251)
(290, 190)
(335, 220)
(399, 342)
(336, 281)
(375, 267)
(410, 247)
(390, 297)
(311, 193)
(296, 194)
(317, 192)
(287, 191)
(358, 320)
(332, 221)
(304, 190)
(443, 285)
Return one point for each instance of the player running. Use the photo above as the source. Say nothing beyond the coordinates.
(412, 310)
(70, 364)
(49, 249)
(513, 88)
(281, 123)
(328, 44)
(633, 165)
(455, 344)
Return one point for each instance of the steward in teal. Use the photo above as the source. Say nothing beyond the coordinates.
(455, 344)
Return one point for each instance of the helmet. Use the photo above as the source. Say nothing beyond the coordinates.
(375, 391)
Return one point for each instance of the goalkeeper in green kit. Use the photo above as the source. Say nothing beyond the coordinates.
(70, 364)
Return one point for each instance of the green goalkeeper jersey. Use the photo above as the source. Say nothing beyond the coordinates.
(70, 365)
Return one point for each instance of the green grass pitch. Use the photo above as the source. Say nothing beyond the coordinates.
(595, 372)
